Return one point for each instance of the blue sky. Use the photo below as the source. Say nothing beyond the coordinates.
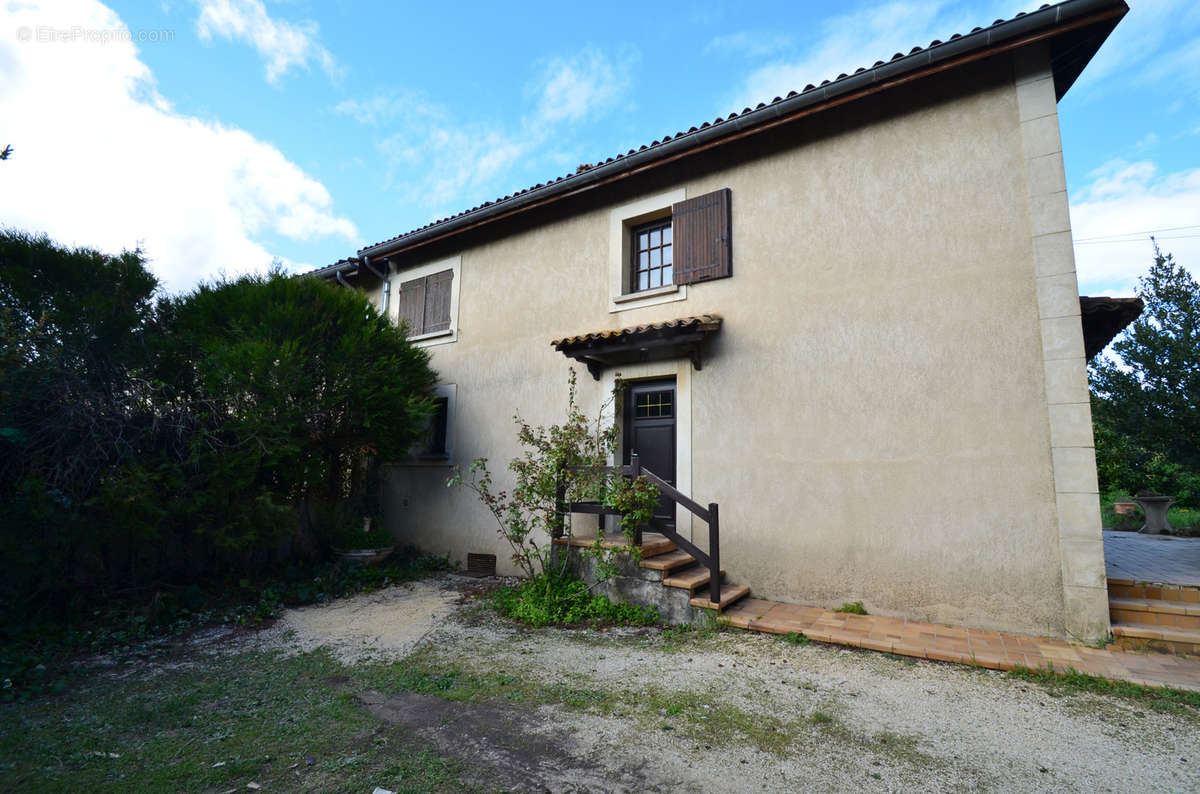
(220, 134)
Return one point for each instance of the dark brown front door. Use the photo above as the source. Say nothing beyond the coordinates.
(649, 430)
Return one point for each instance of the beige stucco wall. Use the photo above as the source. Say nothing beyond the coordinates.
(873, 416)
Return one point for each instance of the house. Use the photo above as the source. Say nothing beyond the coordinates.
(849, 316)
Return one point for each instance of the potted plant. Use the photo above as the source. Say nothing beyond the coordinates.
(363, 540)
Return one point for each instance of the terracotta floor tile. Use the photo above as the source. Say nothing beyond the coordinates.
(990, 649)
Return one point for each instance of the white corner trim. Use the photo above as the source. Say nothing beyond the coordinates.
(1072, 455)
(620, 220)
(453, 263)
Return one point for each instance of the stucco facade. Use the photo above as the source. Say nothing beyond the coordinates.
(895, 409)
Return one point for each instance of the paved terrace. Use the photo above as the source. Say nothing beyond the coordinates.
(1160, 559)
(991, 649)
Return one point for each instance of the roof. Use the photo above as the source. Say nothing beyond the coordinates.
(702, 322)
(668, 339)
(1075, 28)
(1104, 318)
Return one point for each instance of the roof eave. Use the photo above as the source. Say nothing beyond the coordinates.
(1045, 23)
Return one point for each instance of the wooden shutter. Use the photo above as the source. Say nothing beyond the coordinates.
(702, 238)
(411, 306)
(437, 301)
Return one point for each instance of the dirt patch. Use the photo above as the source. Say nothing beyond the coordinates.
(507, 748)
(382, 626)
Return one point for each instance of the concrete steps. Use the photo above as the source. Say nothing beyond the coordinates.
(664, 577)
(1148, 615)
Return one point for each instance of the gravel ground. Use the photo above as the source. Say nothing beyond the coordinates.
(784, 717)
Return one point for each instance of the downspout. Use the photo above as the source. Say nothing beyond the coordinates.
(341, 280)
(384, 276)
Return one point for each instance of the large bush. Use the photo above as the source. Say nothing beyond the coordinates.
(150, 440)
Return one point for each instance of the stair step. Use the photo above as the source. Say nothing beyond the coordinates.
(1128, 588)
(1153, 612)
(689, 579)
(668, 561)
(1138, 635)
(729, 594)
(653, 543)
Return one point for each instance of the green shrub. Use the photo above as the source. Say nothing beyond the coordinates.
(148, 438)
(560, 599)
(853, 608)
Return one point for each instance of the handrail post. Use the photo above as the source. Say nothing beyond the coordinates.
(714, 554)
(560, 506)
(635, 468)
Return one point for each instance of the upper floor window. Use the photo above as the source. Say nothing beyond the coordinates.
(691, 245)
(652, 256)
(424, 303)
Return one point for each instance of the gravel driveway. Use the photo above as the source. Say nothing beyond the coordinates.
(647, 710)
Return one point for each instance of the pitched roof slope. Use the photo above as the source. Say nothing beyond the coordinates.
(1076, 28)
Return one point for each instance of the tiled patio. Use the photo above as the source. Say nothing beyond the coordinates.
(1152, 558)
(991, 649)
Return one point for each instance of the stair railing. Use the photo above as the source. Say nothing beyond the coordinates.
(709, 515)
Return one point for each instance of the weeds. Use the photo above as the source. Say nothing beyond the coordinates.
(795, 638)
(852, 608)
(1073, 681)
(560, 599)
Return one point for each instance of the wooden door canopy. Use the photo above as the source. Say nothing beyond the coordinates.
(1104, 318)
(682, 338)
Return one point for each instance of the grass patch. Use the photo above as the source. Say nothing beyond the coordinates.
(795, 638)
(821, 718)
(1074, 682)
(852, 608)
(217, 724)
(562, 600)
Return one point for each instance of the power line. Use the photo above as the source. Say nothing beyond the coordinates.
(1111, 242)
(1129, 234)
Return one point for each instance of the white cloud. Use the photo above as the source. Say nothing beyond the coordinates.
(461, 163)
(840, 44)
(101, 159)
(1113, 216)
(571, 89)
(1137, 50)
(282, 45)
(748, 44)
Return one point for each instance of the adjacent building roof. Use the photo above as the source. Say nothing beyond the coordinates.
(1074, 28)
(1104, 318)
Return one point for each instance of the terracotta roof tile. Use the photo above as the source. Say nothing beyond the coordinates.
(579, 173)
(700, 322)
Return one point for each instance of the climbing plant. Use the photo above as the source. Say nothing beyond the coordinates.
(561, 463)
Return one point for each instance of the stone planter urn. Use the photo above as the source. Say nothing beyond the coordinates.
(1155, 508)
(364, 555)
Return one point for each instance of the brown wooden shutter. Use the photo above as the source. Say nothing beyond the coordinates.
(702, 238)
(437, 301)
(411, 306)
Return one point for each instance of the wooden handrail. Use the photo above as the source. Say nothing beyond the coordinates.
(709, 515)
